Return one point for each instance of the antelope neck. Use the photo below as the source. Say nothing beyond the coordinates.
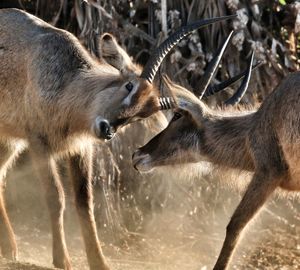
(225, 141)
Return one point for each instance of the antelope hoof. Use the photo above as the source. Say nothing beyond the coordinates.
(62, 264)
(102, 129)
(101, 266)
(10, 255)
(9, 250)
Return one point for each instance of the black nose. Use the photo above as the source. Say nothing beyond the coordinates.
(104, 129)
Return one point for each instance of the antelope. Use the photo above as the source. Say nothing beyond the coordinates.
(265, 141)
(57, 100)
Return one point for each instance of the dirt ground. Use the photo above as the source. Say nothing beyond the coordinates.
(264, 249)
(173, 238)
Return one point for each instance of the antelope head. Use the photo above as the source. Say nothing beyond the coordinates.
(134, 94)
(185, 139)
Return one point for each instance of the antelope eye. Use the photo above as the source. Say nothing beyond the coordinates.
(176, 116)
(129, 86)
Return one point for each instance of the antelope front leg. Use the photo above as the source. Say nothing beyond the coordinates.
(7, 242)
(54, 193)
(256, 194)
(81, 174)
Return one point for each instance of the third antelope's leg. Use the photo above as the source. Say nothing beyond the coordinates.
(271, 170)
(81, 174)
(256, 194)
(8, 243)
(54, 193)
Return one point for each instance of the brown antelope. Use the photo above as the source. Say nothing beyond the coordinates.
(56, 100)
(265, 142)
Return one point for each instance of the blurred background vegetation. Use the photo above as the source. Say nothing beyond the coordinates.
(270, 28)
(194, 205)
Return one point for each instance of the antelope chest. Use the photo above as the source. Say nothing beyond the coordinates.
(292, 183)
(292, 157)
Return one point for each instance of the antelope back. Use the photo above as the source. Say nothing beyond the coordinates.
(61, 90)
(48, 81)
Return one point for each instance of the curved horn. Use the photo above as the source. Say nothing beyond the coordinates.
(159, 54)
(166, 103)
(243, 88)
(211, 68)
(213, 89)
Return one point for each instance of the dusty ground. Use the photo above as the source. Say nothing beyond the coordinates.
(7, 265)
(264, 249)
(173, 238)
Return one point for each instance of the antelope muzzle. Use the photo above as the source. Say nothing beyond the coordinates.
(103, 129)
(141, 161)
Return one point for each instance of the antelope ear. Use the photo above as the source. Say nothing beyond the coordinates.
(185, 100)
(114, 55)
(178, 92)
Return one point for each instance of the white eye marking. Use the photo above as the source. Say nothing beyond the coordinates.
(127, 100)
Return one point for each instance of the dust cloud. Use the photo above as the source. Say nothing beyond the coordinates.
(183, 226)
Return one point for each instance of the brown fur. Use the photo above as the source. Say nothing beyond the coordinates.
(51, 93)
(266, 141)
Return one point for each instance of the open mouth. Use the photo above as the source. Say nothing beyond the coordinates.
(110, 133)
(109, 136)
(141, 162)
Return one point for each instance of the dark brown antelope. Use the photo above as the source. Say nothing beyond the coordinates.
(265, 142)
(56, 100)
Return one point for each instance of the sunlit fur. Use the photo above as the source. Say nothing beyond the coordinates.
(265, 142)
(201, 134)
(52, 92)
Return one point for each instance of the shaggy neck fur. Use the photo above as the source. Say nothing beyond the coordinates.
(225, 141)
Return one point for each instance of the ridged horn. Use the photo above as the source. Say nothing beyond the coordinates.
(159, 54)
(166, 103)
(244, 86)
(213, 89)
(211, 68)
